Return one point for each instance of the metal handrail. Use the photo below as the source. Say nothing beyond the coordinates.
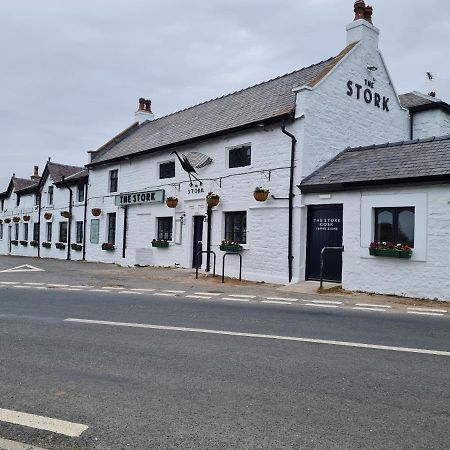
(321, 260)
(223, 265)
(197, 260)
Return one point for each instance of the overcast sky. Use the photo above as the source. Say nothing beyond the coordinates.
(72, 70)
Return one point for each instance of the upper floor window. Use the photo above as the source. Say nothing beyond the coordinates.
(113, 180)
(240, 156)
(17, 200)
(167, 170)
(236, 226)
(3, 204)
(36, 199)
(395, 225)
(81, 193)
(50, 195)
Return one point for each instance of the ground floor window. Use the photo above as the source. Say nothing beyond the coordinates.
(79, 237)
(62, 231)
(16, 231)
(395, 225)
(112, 228)
(236, 226)
(25, 232)
(36, 232)
(165, 227)
(1, 231)
(49, 232)
(95, 231)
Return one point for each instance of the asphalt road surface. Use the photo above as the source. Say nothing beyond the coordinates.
(135, 372)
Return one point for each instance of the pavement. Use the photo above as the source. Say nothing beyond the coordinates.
(126, 362)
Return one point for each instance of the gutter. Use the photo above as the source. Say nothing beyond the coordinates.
(291, 197)
(69, 228)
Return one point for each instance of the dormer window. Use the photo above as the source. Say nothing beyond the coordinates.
(17, 200)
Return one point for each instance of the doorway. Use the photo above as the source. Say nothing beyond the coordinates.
(325, 225)
(198, 236)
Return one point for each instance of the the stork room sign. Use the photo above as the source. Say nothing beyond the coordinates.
(137, 198)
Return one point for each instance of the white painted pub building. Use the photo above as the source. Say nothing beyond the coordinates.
(314, 141)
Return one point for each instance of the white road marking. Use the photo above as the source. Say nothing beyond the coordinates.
(428, 310)
(419, 313)
(235, 299)
(70, 289)
(163, 293)
(113, 288)
(360, 308)
(324, 302)
(277, 302)
(242, 296)
(98, 290)
(23, 287)
(9, 282)
(130, 292)
(58, 285)
(23, 268)
(14, 445)
(42, 423)
(204, 297)
(174, 292)
(142, 290)
(264, 336)
(372, 305)
(34, 284)
(212, 294)
(283, 298)
(321, 306)
(83, 286)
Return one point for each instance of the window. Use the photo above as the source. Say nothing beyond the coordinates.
(79, 227)
(236, 227)
(1, 231)
(25, 231)
(395, 225)
(167, 170)
(62, 231)
(16, 232)
(112, 228)
(49, 232)
(113, 180)
(36, 232)
(81, 193)
(165, 226)
(17, 200)
(50, 195)
(3, 204)
(95, 231)
(240, 156)
(36, 199)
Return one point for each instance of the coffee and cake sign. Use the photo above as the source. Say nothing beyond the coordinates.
(365, 92)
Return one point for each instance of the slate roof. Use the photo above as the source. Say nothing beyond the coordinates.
(58, 171)
(263, 102)
(414, 99)
(401, 162)
(23, 183)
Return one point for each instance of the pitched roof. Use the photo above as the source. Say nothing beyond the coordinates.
(401, 162)
(414, 99)
(23, 183)
(263, 102)
(58, 171)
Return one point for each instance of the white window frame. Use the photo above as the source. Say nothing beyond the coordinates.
(165, 162)
(227, 157)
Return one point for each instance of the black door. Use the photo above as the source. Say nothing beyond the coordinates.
(198, 236)
(324, 230)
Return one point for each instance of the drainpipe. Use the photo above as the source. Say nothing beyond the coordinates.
(411, 125)
(125, 231)
(208, 240)
(69, 228)
(291, 197)
(85, 220)
(39, 224)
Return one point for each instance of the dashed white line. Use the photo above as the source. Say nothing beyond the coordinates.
(42, 423)
(23, 287)
(174, 292)
(163, 294)
(276, 302)
(130, 292)
(204, 297)
(9, 282)
(58, 285)
(421, 313)
(324, 302)
(98, 290)
(372, 305)
(212, 294)
(360, 308)
(113, 288)
(70, 289)
(320, 305)
(428, 310)
(34, 284)
(242, 296)
(142, 290)
(264, 336)
(283, 299)
(235, 299)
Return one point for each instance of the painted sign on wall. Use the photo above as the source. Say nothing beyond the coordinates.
(365, 92)
(137, 198)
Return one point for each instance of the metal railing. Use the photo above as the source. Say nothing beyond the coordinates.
(240, 265)
(321, 260)
(197, 265)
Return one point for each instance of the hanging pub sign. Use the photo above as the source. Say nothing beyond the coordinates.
(137, 198)
(365, 92)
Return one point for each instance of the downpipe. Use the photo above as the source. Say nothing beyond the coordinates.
(69, 227)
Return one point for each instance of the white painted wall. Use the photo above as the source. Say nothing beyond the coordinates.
(431, 123)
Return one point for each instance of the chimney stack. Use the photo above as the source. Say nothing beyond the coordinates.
(35, 176)
(362, 29)
(144, 111)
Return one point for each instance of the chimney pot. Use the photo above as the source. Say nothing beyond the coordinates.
(360, 9)
(36, 171)
(148, 106)
(368, 13)
(142, 104)
(144, 112)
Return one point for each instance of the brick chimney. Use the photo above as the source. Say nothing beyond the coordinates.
(35, 176)
(362, 29)
(144, 111)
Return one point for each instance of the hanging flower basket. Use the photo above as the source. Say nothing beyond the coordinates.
(76, 247)
(230, 247)
(212, 199)
(108, 247)
(96, 212)
(60, 245)
(24, 243)
(1, 221)
(260, 194)
(7, 220)
(26, 218)
(14, 242)
(16, 219)
(390, 250)
(47, 216)
(160, 244)
(34, 244)
(46, 244)
(66, 214)
(172, 202)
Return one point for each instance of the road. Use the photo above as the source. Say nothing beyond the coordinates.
(193, 387)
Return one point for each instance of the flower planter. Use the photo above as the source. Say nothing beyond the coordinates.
(34, 244)
(172, 202)
(261, 195)
(230, 248)
(388, 253)
(108, 247)
(26, 218)
(60, 245)
(212, 199)
(47, 216)
(160, 244)
(24, 243)
(7, 220)
(16, 219)
(46, 244)
(76, 247)
(96, 212)
(1, 221)
(14, 242)
(66, 214)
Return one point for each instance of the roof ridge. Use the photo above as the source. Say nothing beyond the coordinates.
(239, 90)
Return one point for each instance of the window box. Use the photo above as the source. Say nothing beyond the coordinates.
(389, 250)
(34, 244)
(108, 247)
(46, 244)
(76, 247)
(230, 247)
(60, 245)
(14, 242)
(24, 243)
(160, 244)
